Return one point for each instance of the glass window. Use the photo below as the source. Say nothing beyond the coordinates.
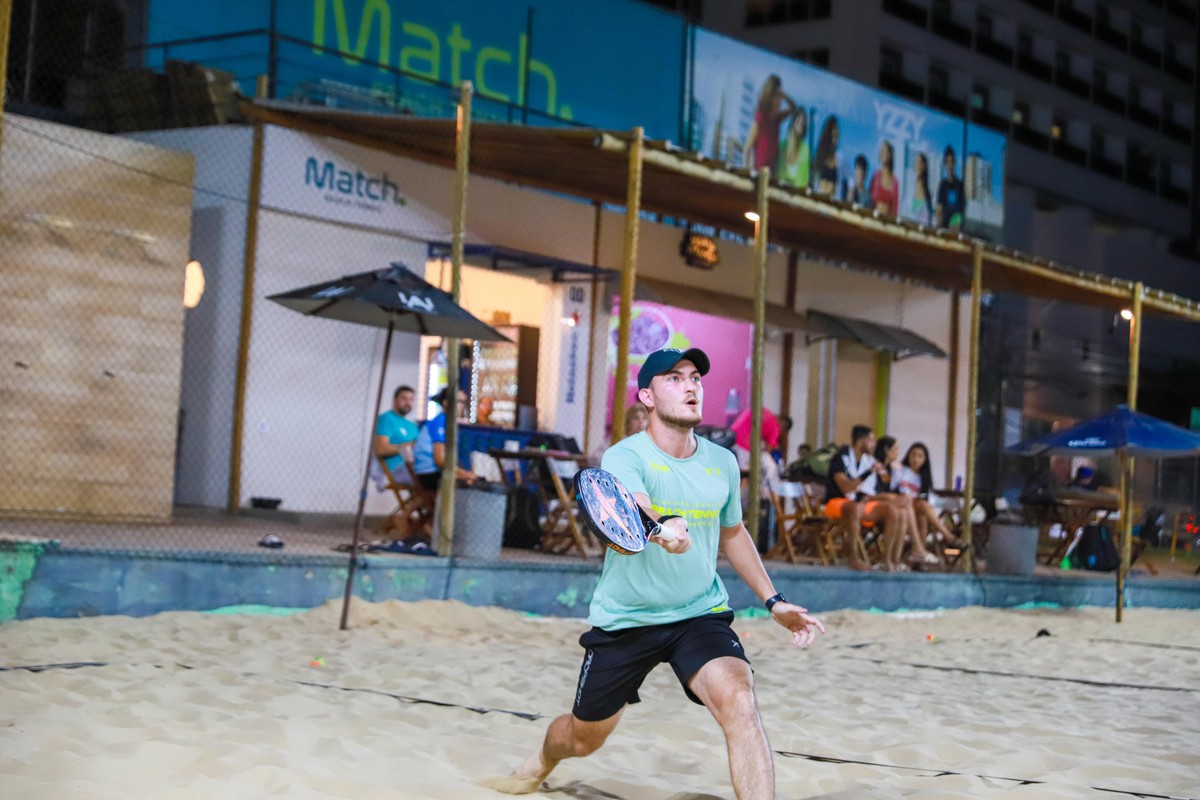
(1062, 62)
(1020, 114)
(980, 97)
(1025, 43)
(939, 80)
(891, 60)
(984, 26)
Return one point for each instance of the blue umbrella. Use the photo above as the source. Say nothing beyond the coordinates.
(1121, 432)
(1126, 434)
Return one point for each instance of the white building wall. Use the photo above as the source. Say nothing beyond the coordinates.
(222, 156)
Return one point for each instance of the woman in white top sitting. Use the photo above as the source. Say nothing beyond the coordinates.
(913, 477)
(886, 451)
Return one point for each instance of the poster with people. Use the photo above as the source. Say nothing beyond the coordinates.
(752, 108)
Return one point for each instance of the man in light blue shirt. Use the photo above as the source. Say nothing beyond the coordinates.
(395, 433)
(667, 603)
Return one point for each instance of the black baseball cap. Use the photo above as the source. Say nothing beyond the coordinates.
(664, 360)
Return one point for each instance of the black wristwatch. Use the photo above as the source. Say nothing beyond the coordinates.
(771, 601)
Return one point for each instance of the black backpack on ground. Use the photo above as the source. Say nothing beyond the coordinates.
(1094, 550)
(521, 527)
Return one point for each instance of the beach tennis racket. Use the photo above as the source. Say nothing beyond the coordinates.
(611, 513)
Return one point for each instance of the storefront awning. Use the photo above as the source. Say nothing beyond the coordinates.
(521, 262)
(594, 164)
(720, 305)
(903, 343)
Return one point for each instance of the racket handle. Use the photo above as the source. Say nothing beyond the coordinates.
(662, 532)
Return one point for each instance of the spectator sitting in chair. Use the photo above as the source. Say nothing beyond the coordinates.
(887, 451)
(429, 454)
(913, 477)
(850, 487)
(1089, 479)
(395, 432)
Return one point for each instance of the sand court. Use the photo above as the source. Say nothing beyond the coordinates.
(429, 699)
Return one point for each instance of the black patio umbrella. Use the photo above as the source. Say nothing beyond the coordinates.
(398, 300)
(394, 297)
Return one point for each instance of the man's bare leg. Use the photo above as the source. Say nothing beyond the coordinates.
(567, 737)
(851, 516)
(894, 529)
(726, 686)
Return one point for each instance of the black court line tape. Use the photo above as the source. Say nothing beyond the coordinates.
(402, 698)
(1056, 678)
(937, 773)
(1158, 645)
(533, 717)
(1132, 643)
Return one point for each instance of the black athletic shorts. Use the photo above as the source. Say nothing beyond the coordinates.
(616, 662)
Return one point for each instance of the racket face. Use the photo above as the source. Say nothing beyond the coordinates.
(610, 511)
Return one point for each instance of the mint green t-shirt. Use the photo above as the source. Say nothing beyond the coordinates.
(654, 586)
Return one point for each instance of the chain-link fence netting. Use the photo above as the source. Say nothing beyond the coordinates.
(235, 425)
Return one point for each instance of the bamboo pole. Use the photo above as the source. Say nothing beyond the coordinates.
(592, 326)
(761, 235)
(633, 206)
(788, 355)
(5, 27)
(972, 401)
(883, 384)
(462, 161)
(233, 499)
(952, 390)
(1135, 352)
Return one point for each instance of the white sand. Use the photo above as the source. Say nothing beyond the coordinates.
(214, 706)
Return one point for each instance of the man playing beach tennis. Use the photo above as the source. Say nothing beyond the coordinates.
(667, 603)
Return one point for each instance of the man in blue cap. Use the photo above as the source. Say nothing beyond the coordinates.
(667, 603)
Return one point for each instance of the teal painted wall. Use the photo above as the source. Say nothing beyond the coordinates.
(48, 581)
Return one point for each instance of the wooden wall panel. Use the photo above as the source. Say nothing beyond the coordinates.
(94, 236)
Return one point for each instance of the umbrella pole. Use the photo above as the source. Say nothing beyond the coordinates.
(362, 494)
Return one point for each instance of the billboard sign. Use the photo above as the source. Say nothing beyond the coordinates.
(396, 55)
(753, 108)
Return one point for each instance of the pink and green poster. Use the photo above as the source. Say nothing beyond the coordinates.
(726, 342)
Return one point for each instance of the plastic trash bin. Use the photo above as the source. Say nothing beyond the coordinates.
(479, 520)
(1011, 549)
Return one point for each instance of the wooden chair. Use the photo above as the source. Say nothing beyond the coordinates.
(562, 529)
(801, 527)
(414, 503)
(838, 545)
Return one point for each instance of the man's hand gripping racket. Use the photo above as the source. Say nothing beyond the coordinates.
(615, 518)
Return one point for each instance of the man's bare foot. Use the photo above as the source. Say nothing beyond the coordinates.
(509, 784)
(525, 779)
